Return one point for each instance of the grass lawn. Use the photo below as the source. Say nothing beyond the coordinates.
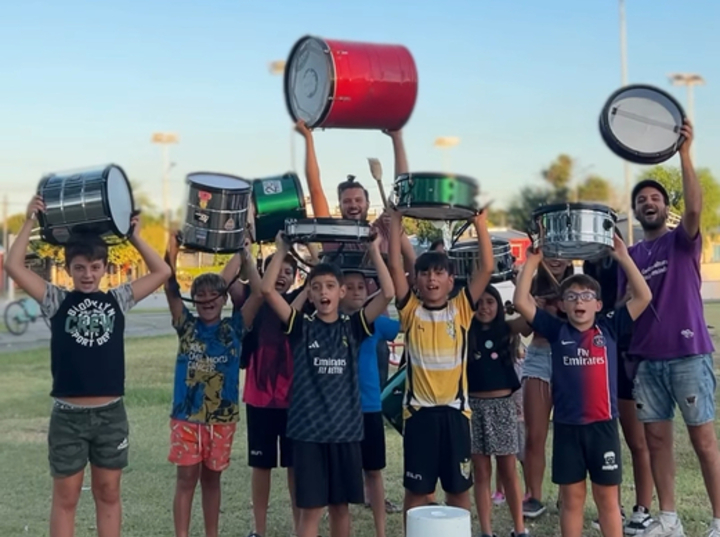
(148, 484)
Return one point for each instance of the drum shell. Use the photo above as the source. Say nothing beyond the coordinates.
(373, 86)
(330, 230)
(352, 261)
(431, 196)
(78, 202)
(392, 399)
(216, 225)
(465, 256)
(276, 199)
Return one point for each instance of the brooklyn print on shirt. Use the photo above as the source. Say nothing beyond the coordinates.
(91, 322)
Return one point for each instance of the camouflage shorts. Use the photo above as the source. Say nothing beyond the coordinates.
(80, 434)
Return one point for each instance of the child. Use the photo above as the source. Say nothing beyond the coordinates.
(373, 444)
(584, 388)
(87, 357)
(491, 382)
(437, 416)
(206, 397)
(325, 418)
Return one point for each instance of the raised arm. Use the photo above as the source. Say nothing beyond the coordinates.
(482, 273)
(249, 272)
(276, 301)
(236, 289)
(401, 162)
(692, 193)
(380, 301)
(640, 294)
(312, 173)
(522, 299)
(395, 262)
(159, 270)
(171, 286)
(30, 282)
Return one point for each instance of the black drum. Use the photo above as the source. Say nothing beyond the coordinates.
(641, 124)
(216, 212)
(465, 257)
(96, 201)
(352, 261)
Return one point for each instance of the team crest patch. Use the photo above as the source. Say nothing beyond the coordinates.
(450, 327)
(599, 340)
(465, 469)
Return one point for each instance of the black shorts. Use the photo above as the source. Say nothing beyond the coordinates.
(592, 449)
(327, 474)
(625, 383)
(265, 429)
(436, 445)
(373, 444)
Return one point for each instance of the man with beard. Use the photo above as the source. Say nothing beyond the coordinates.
(672, 343)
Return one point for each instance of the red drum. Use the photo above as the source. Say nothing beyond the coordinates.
(350, 85)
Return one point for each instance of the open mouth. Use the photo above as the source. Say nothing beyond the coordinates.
(580, 312)
(354, 213)
(432, 287)
(650, 212)
(280, 284)
(324, 302)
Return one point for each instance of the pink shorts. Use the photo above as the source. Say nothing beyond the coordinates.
(193, 443)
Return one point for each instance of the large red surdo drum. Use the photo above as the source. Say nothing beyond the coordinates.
(350, 85)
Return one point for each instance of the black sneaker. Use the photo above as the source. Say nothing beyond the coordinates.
(639, 521)
(253, 534)
(533, 508)
(596, 522)
(524, 534)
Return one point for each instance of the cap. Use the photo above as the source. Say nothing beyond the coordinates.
(652, 183)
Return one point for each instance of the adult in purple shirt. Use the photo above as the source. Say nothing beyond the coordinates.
(672, 343)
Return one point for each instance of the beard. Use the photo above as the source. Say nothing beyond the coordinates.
(652, 225)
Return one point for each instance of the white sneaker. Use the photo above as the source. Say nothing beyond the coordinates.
(660, 527)
(638, 521)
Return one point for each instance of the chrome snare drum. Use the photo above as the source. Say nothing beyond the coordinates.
(464, 257)
(216, 212)
(96, 201)
(327, 230)
(582, 231)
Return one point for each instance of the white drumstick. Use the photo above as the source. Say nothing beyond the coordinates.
(376, 171)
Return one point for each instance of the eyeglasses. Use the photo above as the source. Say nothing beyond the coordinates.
(585, 296)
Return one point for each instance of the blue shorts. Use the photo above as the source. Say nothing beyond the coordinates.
(538, 363)
(688, 382)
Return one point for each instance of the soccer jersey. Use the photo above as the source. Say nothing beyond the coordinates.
(386, 329)
(325, 393)
(436, 340)
(584, 365)
(207, 370)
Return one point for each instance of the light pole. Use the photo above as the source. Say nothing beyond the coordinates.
(689, 80)
(277, 68)
(624, 80)
(444, 143)
(165, 139)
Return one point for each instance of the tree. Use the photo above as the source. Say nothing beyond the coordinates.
(595, 188)
(530, 198)
(497, 217)
(671, 178)
(560, 172)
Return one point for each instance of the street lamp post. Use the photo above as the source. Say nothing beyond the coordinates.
(444, 143)
(689, 80)
(165, 139)
(277, 68)
(626, 165)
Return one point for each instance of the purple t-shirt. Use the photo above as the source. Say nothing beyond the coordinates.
(673, 326)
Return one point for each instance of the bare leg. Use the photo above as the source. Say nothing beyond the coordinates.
(187, 478)
(705, 443)
(295, 510)
(507, 471)
(608, 509)
(65, 498)
(310, 522)
(412, 500)
(634, 433)
(482, 468)
(572, 505)
(376, 494)
(261, 478)
(461, 500)
(339, 520)
(210, 486)
(659, 435)
(537, 405)
(106, 492)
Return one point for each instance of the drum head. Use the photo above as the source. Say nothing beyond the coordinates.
(120, 200)
(217, 181)
(642, 124)
(308, 81)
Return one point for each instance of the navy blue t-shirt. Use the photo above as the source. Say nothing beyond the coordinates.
(584, 365)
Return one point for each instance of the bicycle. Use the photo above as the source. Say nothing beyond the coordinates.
(20, 313)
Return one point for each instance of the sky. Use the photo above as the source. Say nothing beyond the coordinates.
(87, 82)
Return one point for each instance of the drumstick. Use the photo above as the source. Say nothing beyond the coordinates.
(376, 171)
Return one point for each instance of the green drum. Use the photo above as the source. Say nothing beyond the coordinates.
(274, 200)
(436, 196)
(392, 399)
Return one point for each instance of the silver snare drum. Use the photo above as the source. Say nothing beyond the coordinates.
(582, 231)
(96, 201)
(216, 212)
(327, 230)
(465, 257)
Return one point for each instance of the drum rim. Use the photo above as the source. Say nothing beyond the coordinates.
(404, 177)
(404, 209)
(300, 193)
(574, 206)
(628, 153)
(330, 219)
(333, 82)
(106, 204)
(215, 189)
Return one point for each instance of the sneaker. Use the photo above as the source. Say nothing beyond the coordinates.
(391, 508)
(253, 534)
(533, 508)
(524, 534)
(660, 527)
(498, 498)
(596, 523)
(638, 521)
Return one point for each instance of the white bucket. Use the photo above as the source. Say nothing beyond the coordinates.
(438, 521)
